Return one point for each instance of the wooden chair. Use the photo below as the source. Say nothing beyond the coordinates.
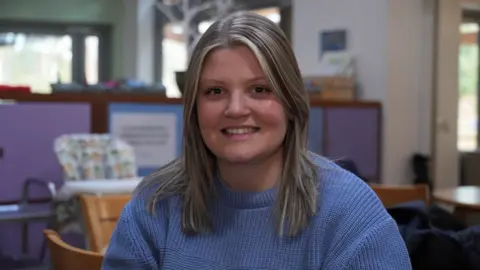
(100, 214)
(66, 257)
(392, 195)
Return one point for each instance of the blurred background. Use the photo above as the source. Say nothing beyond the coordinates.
(90, 102)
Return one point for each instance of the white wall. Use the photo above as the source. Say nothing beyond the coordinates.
(409, 87)
(427, 56)
(366, 22)
(391, 41)
(446, 169)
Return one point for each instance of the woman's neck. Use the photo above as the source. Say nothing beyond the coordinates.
(255, 176)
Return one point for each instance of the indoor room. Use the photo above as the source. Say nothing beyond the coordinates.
(110, 104)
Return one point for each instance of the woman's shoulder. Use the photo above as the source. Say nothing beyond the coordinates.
(336, 180)
(345, 195)
(160, 189)
(150, 205)
(363, 231)
(140, 231)
(152, 197)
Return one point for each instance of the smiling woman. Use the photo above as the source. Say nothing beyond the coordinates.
(241, 120)
(246, 193)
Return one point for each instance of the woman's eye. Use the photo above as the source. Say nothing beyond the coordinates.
(214, 91)
(260, 89)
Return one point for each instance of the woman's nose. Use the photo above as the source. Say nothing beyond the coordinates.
(237, 105)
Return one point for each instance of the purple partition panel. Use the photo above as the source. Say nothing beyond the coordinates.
(353, 133)
(27, 132)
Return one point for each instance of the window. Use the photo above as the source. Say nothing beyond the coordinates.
(40, 54)
(468, 87)
(35, 60)
(91, 59)
(174, 57)
(273, 13)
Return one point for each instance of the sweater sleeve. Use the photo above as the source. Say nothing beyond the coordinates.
(129, 247)
(364, 235)
(380, 248)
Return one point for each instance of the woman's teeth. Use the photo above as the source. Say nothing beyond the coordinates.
(239, 131)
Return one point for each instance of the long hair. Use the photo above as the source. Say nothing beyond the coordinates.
(191, 176)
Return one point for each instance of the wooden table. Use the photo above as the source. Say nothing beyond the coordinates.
(464, 198)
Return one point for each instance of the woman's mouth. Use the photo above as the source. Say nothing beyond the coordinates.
(240, 132)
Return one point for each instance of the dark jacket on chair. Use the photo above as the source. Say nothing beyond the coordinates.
(435, 240)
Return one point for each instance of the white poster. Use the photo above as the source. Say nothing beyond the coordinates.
(152, 135)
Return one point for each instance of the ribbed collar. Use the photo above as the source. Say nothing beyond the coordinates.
(244, 199)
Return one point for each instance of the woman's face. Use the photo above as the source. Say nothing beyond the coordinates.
(240, 118)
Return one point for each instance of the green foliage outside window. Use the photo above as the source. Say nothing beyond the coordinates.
(468, 69)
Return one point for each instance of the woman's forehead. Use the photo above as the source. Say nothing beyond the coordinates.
(238, 63)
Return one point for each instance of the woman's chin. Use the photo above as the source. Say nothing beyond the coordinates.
(238, 158)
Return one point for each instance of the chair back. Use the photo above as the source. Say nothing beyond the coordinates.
(66, 257)
(392, 195)
(100, 214)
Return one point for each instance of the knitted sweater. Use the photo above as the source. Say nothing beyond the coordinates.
(351, 230)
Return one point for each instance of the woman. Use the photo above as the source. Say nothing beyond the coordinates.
(246, 193)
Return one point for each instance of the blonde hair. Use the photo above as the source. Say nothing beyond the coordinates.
(191, 176)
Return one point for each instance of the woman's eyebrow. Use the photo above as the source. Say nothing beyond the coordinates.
(208, 80)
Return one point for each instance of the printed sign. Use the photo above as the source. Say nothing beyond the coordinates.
(153, 136)
(154, 131)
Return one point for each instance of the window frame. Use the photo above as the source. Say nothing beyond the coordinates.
(78, 32)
